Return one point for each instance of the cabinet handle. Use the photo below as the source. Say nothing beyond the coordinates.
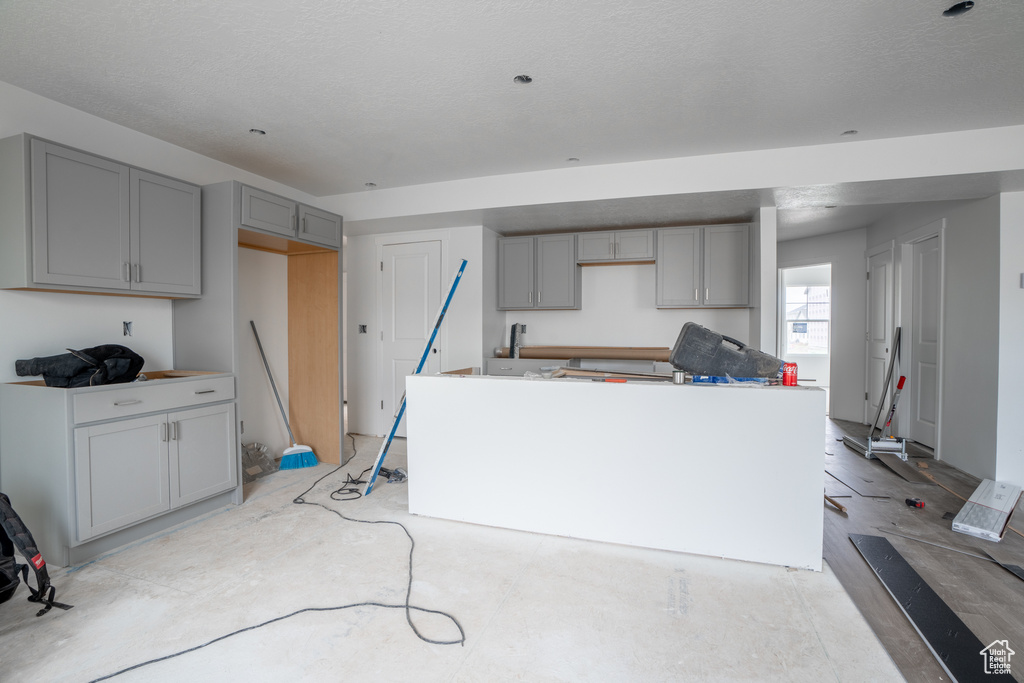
(303, 224)
(707, 294)
(138, 273)
(206, 391)
(163, 431)
(127, 272)
(174, 431)
(530, 300)
(696, 296)
(129, 402)
(538, 298)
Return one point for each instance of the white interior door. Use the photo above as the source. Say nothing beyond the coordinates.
(924, 356)
(879, 329)
(411, 296)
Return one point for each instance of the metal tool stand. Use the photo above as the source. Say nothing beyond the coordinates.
(887, 444)
(438, 319)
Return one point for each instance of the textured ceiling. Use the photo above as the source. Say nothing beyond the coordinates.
(398, 93)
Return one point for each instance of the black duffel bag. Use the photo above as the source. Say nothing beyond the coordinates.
(106, 364)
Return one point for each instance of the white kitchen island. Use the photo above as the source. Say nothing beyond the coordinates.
(722, 470)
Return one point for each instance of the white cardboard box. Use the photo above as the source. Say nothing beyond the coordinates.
(987, 513)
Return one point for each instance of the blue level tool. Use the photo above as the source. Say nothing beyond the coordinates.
(384, 447)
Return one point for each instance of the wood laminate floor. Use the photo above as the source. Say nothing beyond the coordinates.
(988, 598)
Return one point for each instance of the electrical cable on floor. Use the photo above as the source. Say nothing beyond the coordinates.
(347, 489)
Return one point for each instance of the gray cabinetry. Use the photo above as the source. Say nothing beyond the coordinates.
(703, 267)
(97, 467)
(538, 272)
(271, 213)
(74, 221)
(623, 245)
(517, 367)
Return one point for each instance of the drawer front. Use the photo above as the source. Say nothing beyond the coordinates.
(517, 367)
(147, 397)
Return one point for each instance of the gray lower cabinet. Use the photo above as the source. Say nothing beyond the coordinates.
(270, 213)
(93, 468)
(538, 273)
(74, 221)
(703, 267)
(517, 367)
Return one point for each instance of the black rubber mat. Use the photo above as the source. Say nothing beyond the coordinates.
(956, 648)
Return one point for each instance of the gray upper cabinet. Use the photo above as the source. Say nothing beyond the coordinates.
(624, 245)
(703, 267)
(515, 273)
(677, 271)
(319, 226)
(73, 221)
(80, 232)
(538, 272)
(727, 265)
(165, 234)
(271, 213)
(268, 212)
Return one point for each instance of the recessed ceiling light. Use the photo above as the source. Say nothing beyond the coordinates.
(523, 79)
(848, 133)
(257, 131)
(958, 9)
(573, 160)
(370, 185)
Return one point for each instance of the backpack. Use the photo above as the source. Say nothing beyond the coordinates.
(14, 534)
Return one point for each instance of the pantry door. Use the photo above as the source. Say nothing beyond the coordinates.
(411, 296)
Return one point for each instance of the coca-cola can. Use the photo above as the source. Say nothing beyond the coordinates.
(789, 374)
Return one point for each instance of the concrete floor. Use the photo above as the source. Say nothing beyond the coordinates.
(533, 607)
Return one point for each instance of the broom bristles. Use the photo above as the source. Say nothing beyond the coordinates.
(297, 457)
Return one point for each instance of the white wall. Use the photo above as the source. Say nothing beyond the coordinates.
(1009, 423)
(462, 336)
(263, 298)
(45, 324)
(845, 251)
(970, 366)
(618, 310)
(764, 282)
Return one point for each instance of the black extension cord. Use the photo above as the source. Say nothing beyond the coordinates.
(347, 492)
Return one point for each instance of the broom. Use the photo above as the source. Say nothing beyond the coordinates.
(297, 456)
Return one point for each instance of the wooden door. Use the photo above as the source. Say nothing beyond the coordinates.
(924, 365)
(879, 327)
(411, 289)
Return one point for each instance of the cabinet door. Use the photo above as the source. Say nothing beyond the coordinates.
(265, 211)
(80, 232)
(120, 474)
(558, 280)
(515, 273)
(319, 226)
(634, 245)
(726, 265)
(203, 456)
(677, 269)
(595, 246)
(165, 234)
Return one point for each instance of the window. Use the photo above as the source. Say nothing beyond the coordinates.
(808, 311)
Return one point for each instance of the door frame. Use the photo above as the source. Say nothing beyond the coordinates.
(383, 422)
(905, 312)
(888, 246)
(780, 312)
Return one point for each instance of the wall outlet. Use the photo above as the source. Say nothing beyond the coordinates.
(362, 329)
(126, 328)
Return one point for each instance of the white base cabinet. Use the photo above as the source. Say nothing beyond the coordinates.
(96, 467)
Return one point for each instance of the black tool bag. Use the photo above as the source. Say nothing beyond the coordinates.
(702, 352)
(14, 534)
(105, 364)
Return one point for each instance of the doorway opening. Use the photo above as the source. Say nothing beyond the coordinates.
(805, 327)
